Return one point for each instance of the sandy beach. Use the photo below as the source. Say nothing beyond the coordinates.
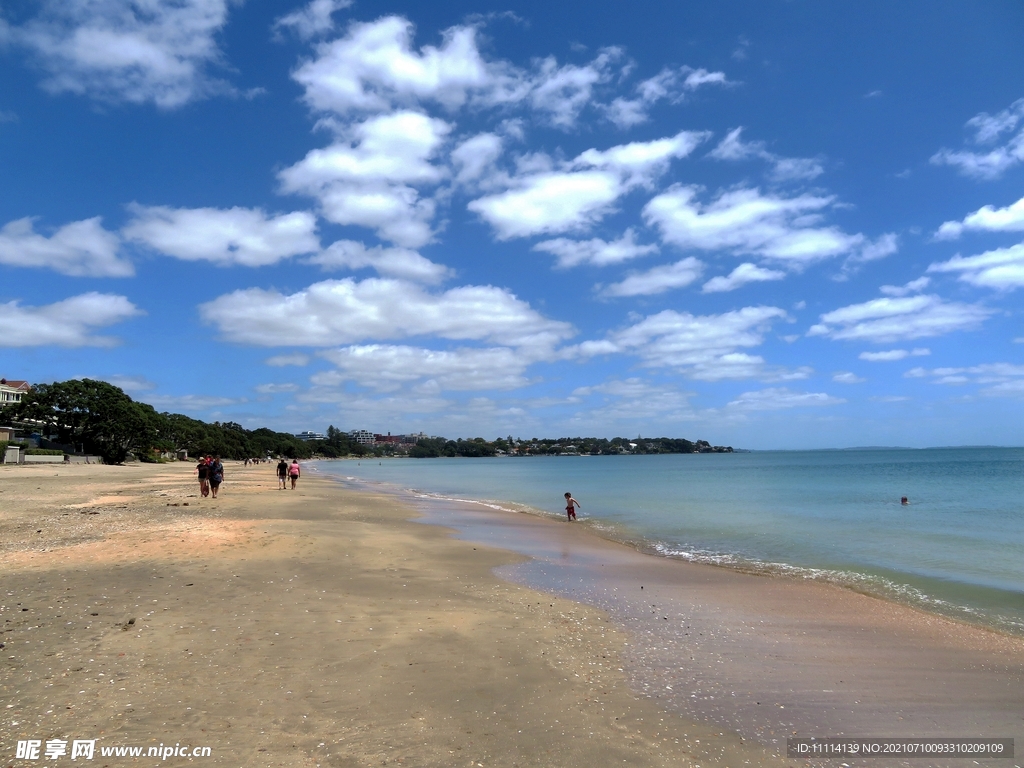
(326, 626)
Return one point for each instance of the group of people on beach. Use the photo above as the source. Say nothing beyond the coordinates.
(211, 474)
(287, 471)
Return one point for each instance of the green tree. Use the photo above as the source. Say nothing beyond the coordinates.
(95, 415)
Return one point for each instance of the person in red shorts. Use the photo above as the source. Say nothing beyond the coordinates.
(570, 510)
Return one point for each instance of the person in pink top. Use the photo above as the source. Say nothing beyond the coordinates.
(294, 472)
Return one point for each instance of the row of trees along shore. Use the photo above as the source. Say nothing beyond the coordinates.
(94, 417)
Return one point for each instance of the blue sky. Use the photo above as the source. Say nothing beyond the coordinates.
(764, 224)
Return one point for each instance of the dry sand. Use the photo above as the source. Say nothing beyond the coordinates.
(312, 627)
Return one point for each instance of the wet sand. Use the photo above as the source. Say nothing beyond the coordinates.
(312, 627)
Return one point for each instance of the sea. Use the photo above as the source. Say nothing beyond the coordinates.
(957, 547)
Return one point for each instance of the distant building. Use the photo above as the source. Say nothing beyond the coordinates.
(11, 391)
(361, 436)
(386, 439)
(307, 435)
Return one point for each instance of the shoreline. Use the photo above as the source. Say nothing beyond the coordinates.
(882, 587)
(320, 626)
(830, 659)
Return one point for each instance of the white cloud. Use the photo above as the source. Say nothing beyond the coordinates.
(136, 52)
(583, 191)
(670, 84)
(81, 249)
(703, 346)
(189, 403)
(743, 274)
(732, 147)
(374, 67)
(233, 236)
(474, 158)
(998, 379)
(891, 355)
(845, 377)
(274, 389)
(598, 252)
(630, 400)
(279, 361)
(1002, 268)
(747, 222)
(658, 279)
(989, 129)
(914, 286)
(779, 398)
(67, 323)
(346, 311)
(563, 91)
(368, 180)
(893, 319)
(388, 367)
(986, 219)
(128, 383)
(390, 262)
(313, 19)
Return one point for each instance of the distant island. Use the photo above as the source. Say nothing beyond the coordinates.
(435, 447)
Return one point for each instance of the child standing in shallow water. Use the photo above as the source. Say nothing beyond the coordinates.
(570, 510)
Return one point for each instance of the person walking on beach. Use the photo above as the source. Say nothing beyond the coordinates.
(216, 474)
(294, 472)
(202, 470)
(282, 474)
(570, 509)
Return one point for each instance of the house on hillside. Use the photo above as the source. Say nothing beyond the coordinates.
(12, 390)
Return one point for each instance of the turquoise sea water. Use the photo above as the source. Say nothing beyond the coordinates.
(957, 548)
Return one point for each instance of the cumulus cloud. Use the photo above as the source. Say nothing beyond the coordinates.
(743, 274)
(732, 147)
(474, 158)
(374, 67)
(595, 251)
(583, 190)
(81, 249)
(989, 131)
(779, 398)
(892, 319)
(67, 323)
(114, 51)
(986, 219)
(370, 177)
(346, 311)
(1002, 268)
(227, 237)
(312, 20)
(387, 367)
(658, 279)
(891, 355)
(701, 346)
(747, 222)
(669, 84)
(390, 262)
